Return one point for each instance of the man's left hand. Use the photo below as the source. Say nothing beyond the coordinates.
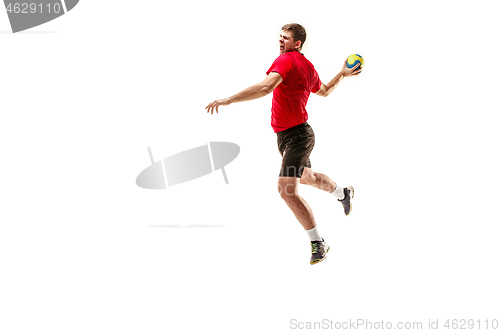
(346, 71)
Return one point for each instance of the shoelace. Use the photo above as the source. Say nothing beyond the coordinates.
(315, 247)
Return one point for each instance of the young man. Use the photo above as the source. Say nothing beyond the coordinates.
(292, 78)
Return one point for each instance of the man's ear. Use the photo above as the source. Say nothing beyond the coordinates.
(298, 44)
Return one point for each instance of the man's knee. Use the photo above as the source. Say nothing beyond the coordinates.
(287, 190)
(308, 177)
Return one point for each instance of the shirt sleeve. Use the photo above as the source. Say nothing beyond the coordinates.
(282, 65)
(316, 83)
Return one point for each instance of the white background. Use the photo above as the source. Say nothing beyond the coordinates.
(83, 249)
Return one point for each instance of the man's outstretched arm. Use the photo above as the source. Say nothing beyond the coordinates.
(326, 89)
(256, 91)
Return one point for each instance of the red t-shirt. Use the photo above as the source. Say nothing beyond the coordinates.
(291, 95)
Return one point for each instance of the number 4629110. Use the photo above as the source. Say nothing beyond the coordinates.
(470, 324)
(32, 8)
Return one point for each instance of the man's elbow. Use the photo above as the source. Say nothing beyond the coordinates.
(266, 89)
(322, 93)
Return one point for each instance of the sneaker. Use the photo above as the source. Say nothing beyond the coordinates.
(346, 202)
(319, 251)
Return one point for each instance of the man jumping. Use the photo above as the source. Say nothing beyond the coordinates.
(292, 78)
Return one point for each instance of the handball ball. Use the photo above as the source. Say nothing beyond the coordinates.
(355, 59)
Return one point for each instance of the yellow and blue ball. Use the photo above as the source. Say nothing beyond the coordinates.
(355, 59)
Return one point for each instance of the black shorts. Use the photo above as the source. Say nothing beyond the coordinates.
(295, 145)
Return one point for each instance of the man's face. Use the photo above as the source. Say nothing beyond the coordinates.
(287, 44)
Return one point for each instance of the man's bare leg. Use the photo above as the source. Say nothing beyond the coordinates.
(323, 182)
(288, 188)
(318, 180)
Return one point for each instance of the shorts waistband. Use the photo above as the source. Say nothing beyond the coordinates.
(293, 128)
